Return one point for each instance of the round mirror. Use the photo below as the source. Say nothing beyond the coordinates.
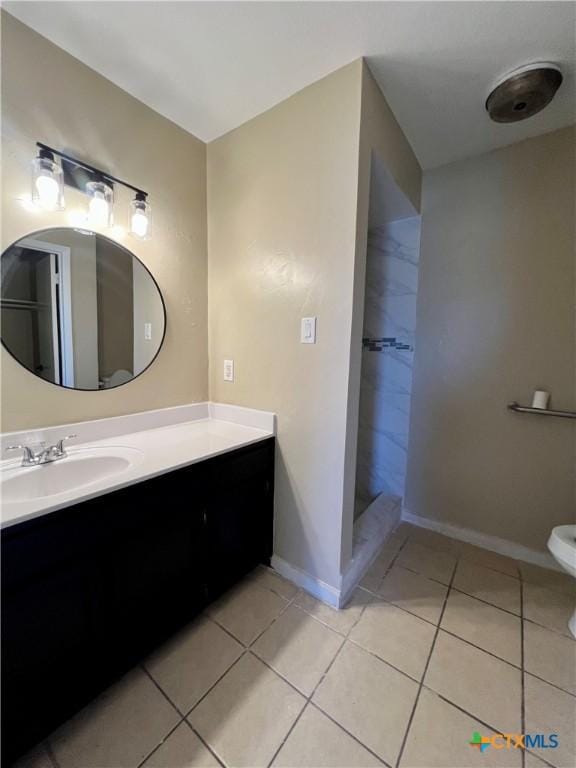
(79, 310)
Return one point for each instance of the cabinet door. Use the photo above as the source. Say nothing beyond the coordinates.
(153, 572)
(239, 512)
(49, 662)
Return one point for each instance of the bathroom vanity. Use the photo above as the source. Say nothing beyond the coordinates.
(94, 578)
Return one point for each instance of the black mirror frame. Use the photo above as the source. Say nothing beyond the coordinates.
(118, 245)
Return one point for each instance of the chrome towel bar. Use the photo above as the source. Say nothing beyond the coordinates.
(542, 411)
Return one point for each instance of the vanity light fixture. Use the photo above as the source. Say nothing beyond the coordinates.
(47, 181)
(101, 202)
(140, 219)
(49, 178)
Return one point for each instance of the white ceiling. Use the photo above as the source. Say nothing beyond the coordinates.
(210, 66)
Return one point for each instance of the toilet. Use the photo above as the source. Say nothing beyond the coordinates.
(562, 545)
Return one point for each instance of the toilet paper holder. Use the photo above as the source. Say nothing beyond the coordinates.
(541, 411)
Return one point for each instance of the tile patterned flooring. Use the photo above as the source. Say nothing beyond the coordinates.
(441, 639)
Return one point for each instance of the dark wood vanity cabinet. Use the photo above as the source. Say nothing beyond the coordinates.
(89, 590)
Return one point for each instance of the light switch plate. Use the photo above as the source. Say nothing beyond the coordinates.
(308, 330)
(228, 370)
(147, 331)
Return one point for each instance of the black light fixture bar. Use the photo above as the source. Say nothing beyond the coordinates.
(91, 169)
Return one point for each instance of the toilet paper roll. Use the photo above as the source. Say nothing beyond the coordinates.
(540, 399)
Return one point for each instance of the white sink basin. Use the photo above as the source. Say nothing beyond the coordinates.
(82, 467)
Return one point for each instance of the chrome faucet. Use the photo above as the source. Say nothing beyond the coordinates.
(32, 458)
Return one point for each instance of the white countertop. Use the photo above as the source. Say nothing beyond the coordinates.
(211, 430)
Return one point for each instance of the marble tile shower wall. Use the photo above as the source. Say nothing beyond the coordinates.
(387, 359)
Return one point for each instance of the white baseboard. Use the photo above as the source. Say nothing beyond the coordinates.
(493, 543)
(371, 530)
(317, 588)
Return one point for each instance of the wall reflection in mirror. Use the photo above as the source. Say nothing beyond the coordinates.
(79, 310)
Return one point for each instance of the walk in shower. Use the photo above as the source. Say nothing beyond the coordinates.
(389, 338)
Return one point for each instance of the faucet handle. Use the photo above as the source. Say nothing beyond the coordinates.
(60, 443)
(28, 453)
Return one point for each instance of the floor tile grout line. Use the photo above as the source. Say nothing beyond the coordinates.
(246, 650)
(550, 629)
(183, 716)
(489, 568)
(530, 621)
(274, 620)
(461, 591)
(411, 718)
(471, 715)
(206, 744)
(324, 623)
(426, 575)
(318, 683)
(182, 720)
(387, 570)
(479, 648)
(215, 683)
(459, 555)
(552, 685)
(349, 733)
(160, 743)
(284, 678)
(539, 757)
(455, 589)
(227, 631)
(487, 602)
(286, 737)
(391, 602)
(547, 587)
(384, 661)
(288, 601)
(346, 637)
(422, 684)
(162, 691)
(308, 698)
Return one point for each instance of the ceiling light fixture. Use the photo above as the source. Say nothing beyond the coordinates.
(523, 92)
(49, 178)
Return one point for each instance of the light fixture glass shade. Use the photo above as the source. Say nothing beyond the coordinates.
(101, 203)
(140, 219)
(47, 182)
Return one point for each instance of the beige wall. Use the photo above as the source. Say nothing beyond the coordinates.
(147, 309)
(49, 96)
(115, 298)
(382, 142)
(287, 239)
(495, 321)
(281, 233)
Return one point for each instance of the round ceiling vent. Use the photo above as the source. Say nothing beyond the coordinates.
(523, 92)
